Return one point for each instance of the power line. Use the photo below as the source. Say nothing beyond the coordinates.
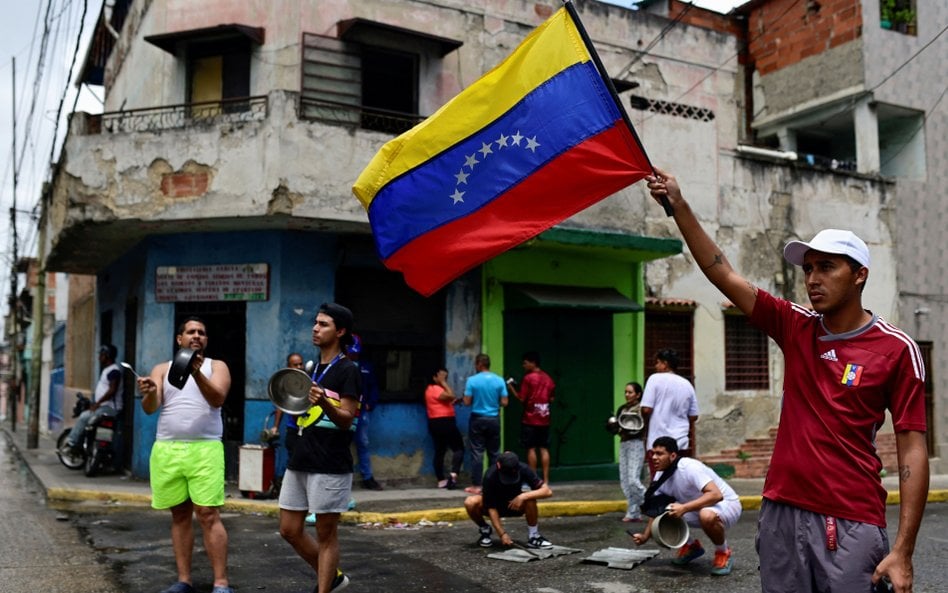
(661, 35)
(906, 62)
(766, 29)
(62, 98)
(918, 128)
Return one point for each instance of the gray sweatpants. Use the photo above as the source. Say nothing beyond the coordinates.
(794, 557)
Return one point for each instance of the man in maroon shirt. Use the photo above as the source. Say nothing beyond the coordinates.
(822, 522)
(536, 393)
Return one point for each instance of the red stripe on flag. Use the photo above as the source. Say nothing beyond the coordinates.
(599, 167)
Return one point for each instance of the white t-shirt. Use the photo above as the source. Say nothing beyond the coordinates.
(672, 399)
(102, 387)
(690, 479)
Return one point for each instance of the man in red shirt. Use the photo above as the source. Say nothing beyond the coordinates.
(822, 522)
(536, 393)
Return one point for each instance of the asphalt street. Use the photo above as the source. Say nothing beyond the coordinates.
(40, 548)
(109, 540)
(135, 545)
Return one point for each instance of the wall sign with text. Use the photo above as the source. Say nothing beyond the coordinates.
(228, 282)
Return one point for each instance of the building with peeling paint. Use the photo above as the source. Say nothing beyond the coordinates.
(218, 182)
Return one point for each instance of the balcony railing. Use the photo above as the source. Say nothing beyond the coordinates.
(359, 116)
(153, 119)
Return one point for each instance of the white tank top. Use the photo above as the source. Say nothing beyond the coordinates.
(186, 415)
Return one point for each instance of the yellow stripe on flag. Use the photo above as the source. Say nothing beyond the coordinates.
(550, 48)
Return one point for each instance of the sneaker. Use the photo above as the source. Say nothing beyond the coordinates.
(452, 481)
(538, 542)
(180, 587)
(222, 589)
(371, 484)
(722, 563)
(484, 540)
(689, 552)
(311, 519)
(340, 582)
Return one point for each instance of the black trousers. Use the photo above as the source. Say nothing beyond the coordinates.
(446, 435)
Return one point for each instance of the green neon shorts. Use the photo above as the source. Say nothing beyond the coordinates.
(182, 470)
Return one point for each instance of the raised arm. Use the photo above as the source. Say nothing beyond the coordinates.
(707, 255)
(215, 388)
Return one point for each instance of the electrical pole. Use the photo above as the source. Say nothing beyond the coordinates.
(14, 316)
(39, 316)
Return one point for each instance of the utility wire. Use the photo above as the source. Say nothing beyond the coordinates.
(906, 62)
(918, 129)
(766, 29)
(658, 38)
(62, 98)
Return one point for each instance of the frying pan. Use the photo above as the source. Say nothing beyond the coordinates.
(181, 367)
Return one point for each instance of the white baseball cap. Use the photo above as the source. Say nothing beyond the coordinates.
(834, 241)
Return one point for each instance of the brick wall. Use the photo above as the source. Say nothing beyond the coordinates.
(700, 17)
(784, 32)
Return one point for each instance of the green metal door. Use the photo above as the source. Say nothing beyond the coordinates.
(575, 348)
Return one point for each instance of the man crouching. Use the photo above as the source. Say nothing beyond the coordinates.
(502, 496)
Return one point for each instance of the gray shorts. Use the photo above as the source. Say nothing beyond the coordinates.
(315, 493)
(794, 557)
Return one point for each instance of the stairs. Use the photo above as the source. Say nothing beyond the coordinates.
(752, 458)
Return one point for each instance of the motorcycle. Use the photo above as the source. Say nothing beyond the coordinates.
(95, 450)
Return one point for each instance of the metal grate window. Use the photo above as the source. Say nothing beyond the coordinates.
(670, 329)
(669, 108)
(746, 363)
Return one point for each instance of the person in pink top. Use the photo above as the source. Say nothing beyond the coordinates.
(439, 403)
(822, 523)
(536, 394)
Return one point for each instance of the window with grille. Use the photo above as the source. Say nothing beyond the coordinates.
(670, 328)
(745, 355)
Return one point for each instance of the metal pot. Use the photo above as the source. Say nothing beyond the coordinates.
(289, 390)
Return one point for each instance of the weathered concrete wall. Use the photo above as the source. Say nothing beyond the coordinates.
(922, 209)
(818, 75)
(282, 172)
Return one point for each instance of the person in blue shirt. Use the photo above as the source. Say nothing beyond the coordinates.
(486, 393)
(370, 397)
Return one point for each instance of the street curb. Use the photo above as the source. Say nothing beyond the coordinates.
(547, 509)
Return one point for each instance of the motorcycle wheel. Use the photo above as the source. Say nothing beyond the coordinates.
(73, 461)
(93, 459)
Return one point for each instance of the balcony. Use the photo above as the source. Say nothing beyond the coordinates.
(155, 119)
(245, 164)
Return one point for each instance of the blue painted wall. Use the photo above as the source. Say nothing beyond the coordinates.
(302, 275)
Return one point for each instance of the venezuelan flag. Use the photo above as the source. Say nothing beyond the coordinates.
(534, 141)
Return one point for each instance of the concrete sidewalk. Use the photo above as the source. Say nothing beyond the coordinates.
(392, 505)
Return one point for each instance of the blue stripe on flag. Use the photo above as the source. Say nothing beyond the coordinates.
(556, 116)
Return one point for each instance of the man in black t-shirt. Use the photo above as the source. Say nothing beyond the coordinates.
(318, 478)
(503, 496)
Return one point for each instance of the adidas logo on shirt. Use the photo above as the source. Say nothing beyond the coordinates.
(831, 355)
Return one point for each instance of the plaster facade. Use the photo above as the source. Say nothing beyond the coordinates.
(126, 200)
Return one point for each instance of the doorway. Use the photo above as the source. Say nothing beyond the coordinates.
(226, 324)
(575, 348)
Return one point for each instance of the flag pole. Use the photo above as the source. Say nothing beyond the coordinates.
(612, 90)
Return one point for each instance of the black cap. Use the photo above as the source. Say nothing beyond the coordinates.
(509, 471)
(342, 317)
